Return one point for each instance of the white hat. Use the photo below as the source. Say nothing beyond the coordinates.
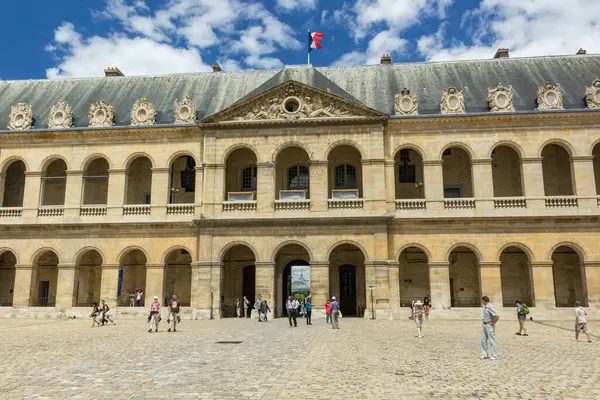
(155, 297)
(332, 297)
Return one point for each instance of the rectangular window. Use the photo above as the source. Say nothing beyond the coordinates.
(407, 173)
(249, 178)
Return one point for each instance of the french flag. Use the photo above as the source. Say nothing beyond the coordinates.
(314, 41)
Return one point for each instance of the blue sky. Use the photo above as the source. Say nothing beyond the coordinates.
(76, 38)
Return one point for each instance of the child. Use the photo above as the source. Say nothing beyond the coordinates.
(95, 315)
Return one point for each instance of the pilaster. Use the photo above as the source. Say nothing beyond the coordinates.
(205, 291)
(2, 182)
(73, 193)
(214, 189)
(31, 195)
(159, 192)
(265, 282)
(390, 186)
(116, 192)
(585, 183)
(394, 279)
(439, 282)
(199, 190)
(491, 284)
(109, 284)
(377, 276)
(319, 285)
(592, 280)
(543, 284)
(265, 188)
(318, 185)
(483, 183)
(155, 283)
(23, 285)
(434, 184)
(373, 186)
(533, 182)
(65, 286)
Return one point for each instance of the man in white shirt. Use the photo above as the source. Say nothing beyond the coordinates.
(292, 309)
(174, 310)
(581, 322)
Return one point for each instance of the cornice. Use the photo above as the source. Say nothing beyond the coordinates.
(160, 169)
(531, 160)
(481, 161)
(117, 171)
(303, 122)
(433, 162)
(319, 163)
(74, 172)
(582, 158)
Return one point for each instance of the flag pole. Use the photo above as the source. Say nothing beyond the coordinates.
(308, 50)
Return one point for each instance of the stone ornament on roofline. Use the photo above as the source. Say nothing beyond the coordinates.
(61, 116)
(143, 112)
(101, 114)
(406, 103)
(21, 117)
(453, 101)
(185, 111)
(500, 99)
(592, 95)
(549, 97)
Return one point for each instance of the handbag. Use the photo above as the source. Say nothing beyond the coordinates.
(178, 319)
(339, 314)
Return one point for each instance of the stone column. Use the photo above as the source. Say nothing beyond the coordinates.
(65, 286)
(214, 189)
(73, 193)
(2, 183)
(483, 183)
(318, 185)
(31, 195)
(373, 185)
(160, 192)
(205, 293)
(543, 285)
(265, 188)
(434, 184)
(394, 279)
(319, 287)
(116, 192)
(265, 282)
(199, 190)
(592, 280)
(439, 282)
(585, 184)
(381, 294)
(215, 289)
(533, 182)
(491, 284)
(109, 284)
(155, 283)
(23, 285)
(390, 186)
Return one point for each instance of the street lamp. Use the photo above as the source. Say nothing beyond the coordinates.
(372, 288)
(211, 302)
(420, 187)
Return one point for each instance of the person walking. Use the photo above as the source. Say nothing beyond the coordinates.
(308, 307)
(292, 310)
(335, 313)
(238, 308)
(106, 317)
(154, 317)
(426, 306)
(265, 310)
(257, 306)
(174, 311)
(522, 311)
(94, 315)
(490, 318)
(328, 311)
(246, 303)
(418, 311)
(581, 322)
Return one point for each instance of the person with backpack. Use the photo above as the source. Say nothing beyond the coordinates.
(581, 322)
(106, 317)
(154, 317)
(522, 311)
(174, 311)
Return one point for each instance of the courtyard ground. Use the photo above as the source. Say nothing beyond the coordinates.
(56, 359)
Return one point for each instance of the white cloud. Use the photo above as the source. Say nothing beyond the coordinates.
(289, 5)
(383, 42)
(527, 28)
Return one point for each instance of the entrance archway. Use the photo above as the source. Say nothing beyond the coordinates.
(45, 279)
(516, 277)
(238, 274)
(132, 277)
(569, 277)
(7, 278)
(292, 264)
(347, 279)
(465, 286)
(178, 276)
(88, 279)
(414, 276)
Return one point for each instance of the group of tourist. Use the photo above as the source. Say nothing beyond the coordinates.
(174, 314)
(100, 315)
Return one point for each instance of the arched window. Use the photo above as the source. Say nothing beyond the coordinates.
(345, 177)
(298, 177)
(249, 178)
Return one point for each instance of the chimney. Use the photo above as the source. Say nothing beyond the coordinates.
(386, 58)
(502, 53)
(113, 71)
(216, 67)
(581, 52)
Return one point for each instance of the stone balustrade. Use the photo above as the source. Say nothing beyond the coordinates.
(180, 209)
(561, 201)
(136, 209)
(336, 204)
(11, 212)
(411, 204)
(236, 206)
(51, 211)
(459, 204)
(292, 205)
(510, 202)
(92, 211)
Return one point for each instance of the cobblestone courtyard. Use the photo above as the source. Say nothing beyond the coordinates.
(363, 360)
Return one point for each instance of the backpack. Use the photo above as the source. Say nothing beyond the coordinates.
(525, 309)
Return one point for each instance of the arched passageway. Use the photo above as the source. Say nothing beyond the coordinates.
(45, 280)
(14, 185)
(569, 277)
(54, 183)
(408, 173)
(178, 276)
(347, 279)
(182, 180)
(241, 175)
(292, 179)
(95, 182)
(139, 181)
(88, 279)
(465, 285)
(7, 278)
(414, 276)
(506, 172)
(516, 277)
(556, 167)
(345, 173)
(596, 155)
(238, 274)
(458, 177)
(132, 277)
(292, 266)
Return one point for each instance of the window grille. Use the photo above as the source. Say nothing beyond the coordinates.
(345, 177)
(407, 173)
(249, 178)
(298, 177)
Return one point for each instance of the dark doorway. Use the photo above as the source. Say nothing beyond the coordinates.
(451, 292)
(348, 290)
(299, 292)
(249, 286)
(44, 292)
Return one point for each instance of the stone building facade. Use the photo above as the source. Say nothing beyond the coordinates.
(391, 182)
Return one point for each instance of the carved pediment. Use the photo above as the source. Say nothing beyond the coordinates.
(292, 101)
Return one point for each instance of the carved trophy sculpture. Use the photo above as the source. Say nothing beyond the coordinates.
(21, 117)
(453, 102)
(101, 114)
(143, 112)
(549, 97)
(185, 111)
(592, 95)
(60, 116)
(500, 99)
(406, 103)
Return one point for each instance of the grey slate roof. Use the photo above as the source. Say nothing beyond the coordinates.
(373, 86)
